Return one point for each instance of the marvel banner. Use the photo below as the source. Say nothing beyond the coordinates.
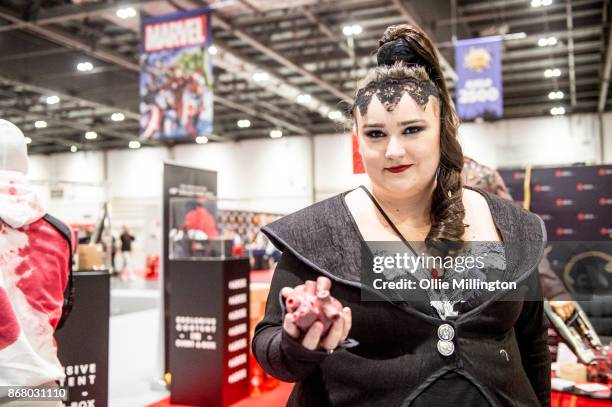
(479, 87)
(176, 98)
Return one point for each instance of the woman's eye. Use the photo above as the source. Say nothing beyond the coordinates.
(375, 134)
(412, 130)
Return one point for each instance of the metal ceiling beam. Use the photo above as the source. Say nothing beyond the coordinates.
(409, 16)
(509, 16)
(61, 16)
(65, 96)
(605, 80)
(279, 58)
(264, 116)
(327, 31)
(570, 51)
(70, 41)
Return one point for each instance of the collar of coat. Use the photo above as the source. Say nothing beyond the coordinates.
(324, 237)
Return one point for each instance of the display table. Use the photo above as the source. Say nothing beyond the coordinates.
(83, 341)
(575, 399)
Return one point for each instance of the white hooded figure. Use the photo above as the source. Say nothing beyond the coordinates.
(34, 264)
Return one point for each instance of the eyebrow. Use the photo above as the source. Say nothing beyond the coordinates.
(404, 123)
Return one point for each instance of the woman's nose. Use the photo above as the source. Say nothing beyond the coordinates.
(394, 149)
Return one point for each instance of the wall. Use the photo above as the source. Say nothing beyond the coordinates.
(277, 176)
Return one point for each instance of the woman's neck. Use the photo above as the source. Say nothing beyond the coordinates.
(406, 210)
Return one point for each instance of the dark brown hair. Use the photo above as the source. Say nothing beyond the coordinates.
(406, 51)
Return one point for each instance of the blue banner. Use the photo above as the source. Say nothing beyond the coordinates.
(479, 90)
(176, 98)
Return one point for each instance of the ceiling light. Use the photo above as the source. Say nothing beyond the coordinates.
(73, 149)
(304, 98)
(350, 30)
(117, 117)
(28, 140)
(557, 111)
(324, 110)
(555, 95)
(134, 144)
(40, 124)
(276, 134)
(261, 76)
(552, 40)
(91, 135)
(84, 66)
(244, 123)
(53, 100)
(126, 12)
(335, 115)
(212, 50)
(552, 73)
(542, 42)
(201, 140)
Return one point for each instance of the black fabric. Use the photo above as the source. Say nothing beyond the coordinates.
(69, 292)
(500, 346)
(451, 389)
(126, 242)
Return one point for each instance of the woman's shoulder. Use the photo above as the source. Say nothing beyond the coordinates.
(514, 222)
(310, 222)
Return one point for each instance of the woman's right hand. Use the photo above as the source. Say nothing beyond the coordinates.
(312, 339)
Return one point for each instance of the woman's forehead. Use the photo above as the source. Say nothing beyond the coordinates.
(406, 109)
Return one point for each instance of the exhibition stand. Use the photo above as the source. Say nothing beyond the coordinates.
(209, 331)
(83, 341)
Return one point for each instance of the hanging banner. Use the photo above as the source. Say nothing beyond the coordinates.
(479, 92)
(176, 98)
(358, 167)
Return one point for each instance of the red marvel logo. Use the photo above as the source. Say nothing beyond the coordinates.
(540, 188)
(605, 231)
(518, 175)
(585, 187)
(563, 173)
(585, 216)
(605, 201)
(563, 202)
(564, 231)
(604, 171)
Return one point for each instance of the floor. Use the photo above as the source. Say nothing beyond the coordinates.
(136, 353)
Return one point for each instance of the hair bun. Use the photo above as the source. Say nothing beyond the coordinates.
(401, 43)
(398, 49)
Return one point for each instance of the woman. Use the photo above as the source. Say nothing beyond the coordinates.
(478, 352)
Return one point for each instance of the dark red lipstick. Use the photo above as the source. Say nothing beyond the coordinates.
(399, 168)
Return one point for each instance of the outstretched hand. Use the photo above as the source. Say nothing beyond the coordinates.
(314, 337)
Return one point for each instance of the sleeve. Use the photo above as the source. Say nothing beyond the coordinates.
(279, 354)
(532, 334)
(552, 286)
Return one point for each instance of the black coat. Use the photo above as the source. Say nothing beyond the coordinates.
(397, 356)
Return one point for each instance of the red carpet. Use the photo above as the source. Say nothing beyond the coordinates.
(275, 398)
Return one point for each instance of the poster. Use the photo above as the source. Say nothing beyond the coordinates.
(479, 92)
(176, 98)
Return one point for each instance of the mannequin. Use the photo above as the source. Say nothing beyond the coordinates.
(34, 266)
(13, 151)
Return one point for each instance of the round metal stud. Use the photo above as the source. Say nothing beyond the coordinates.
(446, 348)
(446, 332)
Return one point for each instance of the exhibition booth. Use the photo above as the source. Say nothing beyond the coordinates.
(186, 171)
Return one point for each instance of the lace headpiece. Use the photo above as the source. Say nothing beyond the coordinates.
(389, 91)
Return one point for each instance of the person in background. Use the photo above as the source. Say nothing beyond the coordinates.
(126, 249)
(34, 267)
(480, 176)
